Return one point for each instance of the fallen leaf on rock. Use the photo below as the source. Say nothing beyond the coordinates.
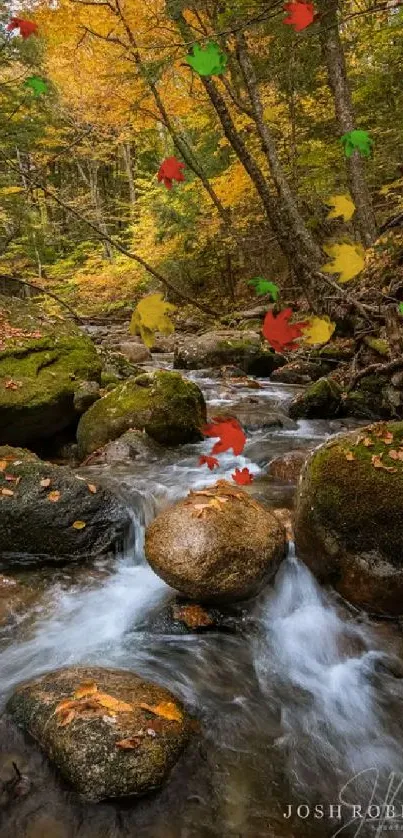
(200, 509)
(12, 385)
(85, 689)
(350, 456)
(376, 460)
(113, 704)
(45, 483)
(242, 477)
(194, 616)
(7, 493)
(166, 709)
(54, 497)
(92, 488)
(3, 465)
(367, 441)
(388, 438)
(129, 744)
(79, 525)
(66, 718)
(11, 478)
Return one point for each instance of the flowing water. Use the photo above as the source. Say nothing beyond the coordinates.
(302, 708)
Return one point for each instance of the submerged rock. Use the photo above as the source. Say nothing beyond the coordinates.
(48, 514)
(254, 414)
(243, 349)
(288, 466)
(133, 445)
(42, 364)
(321, 400)
(217, 544)
(300, 372)
(348, 516)
(170, 409)
(83, 740)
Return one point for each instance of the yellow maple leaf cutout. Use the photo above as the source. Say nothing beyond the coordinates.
(150, 316)
(342, 206)
(348, 260)
(318, 330)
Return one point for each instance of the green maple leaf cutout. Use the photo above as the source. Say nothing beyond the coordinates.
(357, 140)
(401, 308)
(37, 85)
(263, 286)
(209, 61)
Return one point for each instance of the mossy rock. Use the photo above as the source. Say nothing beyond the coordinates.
(322, 400)
(243, 349)
(349, 514)
(37, 521)
(371, 399)
(170, 409)
(46, 361)
(86, 750)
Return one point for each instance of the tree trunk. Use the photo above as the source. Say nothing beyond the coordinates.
(333, 54)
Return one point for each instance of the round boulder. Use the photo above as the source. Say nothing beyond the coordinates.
(287, 467)
(170, 409)
(43, 363)
(348, 516)
(321, 400)
(217, 544)
(110, 733)
(50, 514)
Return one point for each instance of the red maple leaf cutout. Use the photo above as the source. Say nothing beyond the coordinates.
(242, 477)
(26, 27)
(279, 332)
(300, 15)
(230, 433)
(170, 169)
(211, 462)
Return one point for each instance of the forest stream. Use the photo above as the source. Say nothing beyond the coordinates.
(301, 697)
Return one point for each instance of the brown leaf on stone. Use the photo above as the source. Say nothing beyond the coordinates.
(7, 493)
(3, 465)
(167, 709)
(395, 455)
(193, 616)
(113, 704)
(66, 717)
(367, 441)
(45, 482)
(129, 744)
(12, 385)
(79, 525)
(376, 460)
(388, 438)
(350, 456)
(85, 689)
(54, 497)
(92, 488)
(11, 478)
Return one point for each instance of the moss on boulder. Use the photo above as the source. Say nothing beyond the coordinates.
(348, 516)
(321, 400)
(85, 750)
(42, 364)
(39, 505)
(170, 409)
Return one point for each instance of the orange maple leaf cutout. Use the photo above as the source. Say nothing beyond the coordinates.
(170, 169)
(300, 15)
(211, 462)
(242, 477)
(279, 332)
(230, 433)
(26, 27)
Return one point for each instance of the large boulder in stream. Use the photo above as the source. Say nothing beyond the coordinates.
(226, 347)
(110, 733)
(170, 409)
(321, 400)
(49, 514)
(43, 363)
(216, 545)
(349, 513)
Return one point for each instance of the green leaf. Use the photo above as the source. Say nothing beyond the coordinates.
(263, 286)
(209, 61)
(36, 84)
(356, 140)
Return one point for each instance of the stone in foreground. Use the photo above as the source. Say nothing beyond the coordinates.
(49, 514)
(170, 409)
(216, 545)
(349, 513)
(84, 747)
